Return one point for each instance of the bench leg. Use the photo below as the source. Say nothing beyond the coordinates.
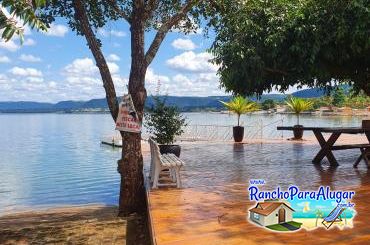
(173, 174)
(156, 178)
(178, 178)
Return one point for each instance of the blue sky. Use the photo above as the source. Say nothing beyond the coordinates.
(58, 65)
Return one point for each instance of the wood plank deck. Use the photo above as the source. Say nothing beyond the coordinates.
(212, 207)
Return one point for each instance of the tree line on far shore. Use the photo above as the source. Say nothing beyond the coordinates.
(336, 98)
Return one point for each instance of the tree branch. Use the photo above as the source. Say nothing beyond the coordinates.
(119, 11)
(165, 28)
(83, 21)
(150, 7)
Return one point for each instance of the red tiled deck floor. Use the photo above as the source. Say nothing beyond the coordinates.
(212, 207)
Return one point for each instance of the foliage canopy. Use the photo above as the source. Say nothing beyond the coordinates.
(261, 45)
(299, 105)
(240, 105)
(15, 15)
(164, 122)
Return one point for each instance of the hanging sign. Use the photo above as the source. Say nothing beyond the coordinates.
(128, 119)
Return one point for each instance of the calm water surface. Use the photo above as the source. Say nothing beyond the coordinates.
(57, 159)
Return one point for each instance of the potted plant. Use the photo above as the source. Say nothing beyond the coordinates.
(164, 123)
(239, 105)
(298, 105)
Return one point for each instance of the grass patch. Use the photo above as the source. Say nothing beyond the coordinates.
(277, 227)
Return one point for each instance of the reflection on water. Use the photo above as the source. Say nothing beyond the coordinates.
(56, 159)
(49, 159)
(278, 164)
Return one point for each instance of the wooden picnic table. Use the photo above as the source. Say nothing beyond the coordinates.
(327, 146)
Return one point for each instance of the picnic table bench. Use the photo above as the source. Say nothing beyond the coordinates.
(327, 146)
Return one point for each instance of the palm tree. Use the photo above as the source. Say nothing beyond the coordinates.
(240, 105)
(319, 214)
(298, 105)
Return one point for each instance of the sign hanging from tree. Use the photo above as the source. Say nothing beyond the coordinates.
(127, 119)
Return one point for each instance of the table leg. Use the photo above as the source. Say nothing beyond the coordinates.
(359, 159)
(366, 152)
(326, 148)
(367, 133)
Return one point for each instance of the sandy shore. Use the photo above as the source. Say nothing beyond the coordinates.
(72, 225)
(310, 223)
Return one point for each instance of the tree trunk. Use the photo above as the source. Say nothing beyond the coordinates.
(82, 19)
(131, 165)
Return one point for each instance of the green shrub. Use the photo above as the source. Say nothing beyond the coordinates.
(164, 122)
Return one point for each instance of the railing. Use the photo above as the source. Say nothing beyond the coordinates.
(255, 130)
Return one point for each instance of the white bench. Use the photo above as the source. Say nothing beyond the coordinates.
(162, 164)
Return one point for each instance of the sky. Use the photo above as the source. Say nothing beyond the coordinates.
(58, 65)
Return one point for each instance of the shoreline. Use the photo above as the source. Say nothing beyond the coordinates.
(356, 113)
(310, 223)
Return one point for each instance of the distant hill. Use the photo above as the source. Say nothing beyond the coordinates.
(310, 93)
(316, 92)
(184, 103)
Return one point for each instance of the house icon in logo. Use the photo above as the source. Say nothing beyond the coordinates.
(271, 212)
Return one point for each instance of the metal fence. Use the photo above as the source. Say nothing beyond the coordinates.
(255, 130)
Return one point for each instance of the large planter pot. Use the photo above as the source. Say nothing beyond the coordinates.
(366, 124)
(166, 149)
(238, 133)
(298, 132)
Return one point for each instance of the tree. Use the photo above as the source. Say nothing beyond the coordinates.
(319, 215)
(299, 105)
(261, 45)
(164, 122)
(240, 105)
(268, 104)
(21, 13)
(142, 15)
(339, 97)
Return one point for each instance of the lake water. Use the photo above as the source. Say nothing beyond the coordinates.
(57, 159)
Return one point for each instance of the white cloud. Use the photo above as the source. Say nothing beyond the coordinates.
(192, 62)
(35, 79)
(25, 72)
(29, 58)
(202, 84)
(183, 44)
(109, 33)
(56, 30)
(113, 67)
(4, 59)
(9, 45)
(196, 84)
(29, 42)
(84, 66)
(14, 44)
(114, 57)
(82, 80)
(152, 77)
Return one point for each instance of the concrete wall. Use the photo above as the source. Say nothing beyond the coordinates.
(273, 218)
(260, 221)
